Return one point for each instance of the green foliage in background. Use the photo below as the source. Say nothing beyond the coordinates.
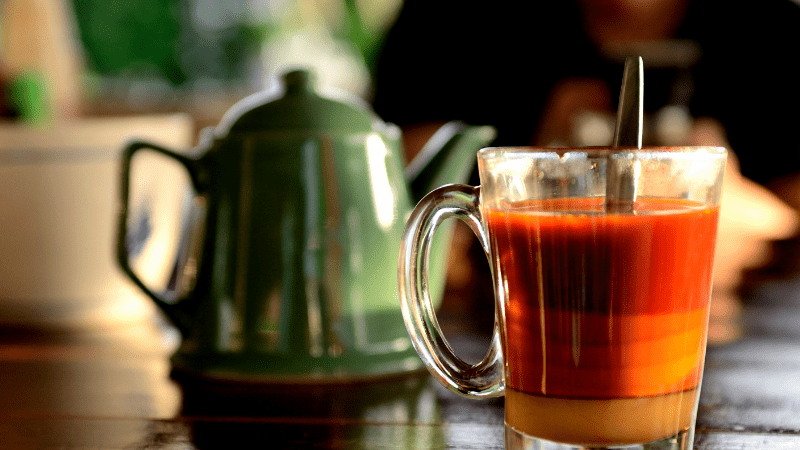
(178, 42)
(158, 39)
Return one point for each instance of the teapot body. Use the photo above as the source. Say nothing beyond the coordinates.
(296, 280)
(282, 267)
(300, 262)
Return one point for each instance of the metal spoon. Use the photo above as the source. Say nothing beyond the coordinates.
(622, 170)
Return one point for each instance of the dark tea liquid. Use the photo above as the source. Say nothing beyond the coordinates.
(605, 315)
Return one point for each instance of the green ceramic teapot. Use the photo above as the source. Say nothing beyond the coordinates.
(277, 260)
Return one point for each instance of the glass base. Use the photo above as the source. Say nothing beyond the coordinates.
(517, 440)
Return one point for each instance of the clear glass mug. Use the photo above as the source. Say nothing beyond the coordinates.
(602, 266)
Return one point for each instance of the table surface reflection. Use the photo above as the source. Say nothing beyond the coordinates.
(112, 389)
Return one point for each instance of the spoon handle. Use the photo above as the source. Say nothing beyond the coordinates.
(622, 170)
(630, 112)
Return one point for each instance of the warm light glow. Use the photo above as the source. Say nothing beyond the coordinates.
(383, 197)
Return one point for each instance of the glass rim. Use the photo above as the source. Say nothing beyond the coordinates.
(597, 152)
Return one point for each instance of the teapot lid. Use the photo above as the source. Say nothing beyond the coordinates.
(298, 107)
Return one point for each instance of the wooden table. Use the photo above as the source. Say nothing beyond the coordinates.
(111, 389)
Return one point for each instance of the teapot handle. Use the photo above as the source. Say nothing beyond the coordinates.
(174, 308)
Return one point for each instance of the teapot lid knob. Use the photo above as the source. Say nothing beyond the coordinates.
(299, 80)
(299, 108)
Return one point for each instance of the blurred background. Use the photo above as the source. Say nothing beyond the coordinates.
(80, 77)
(70, 58)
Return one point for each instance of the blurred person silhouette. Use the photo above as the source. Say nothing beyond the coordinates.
(549, 73)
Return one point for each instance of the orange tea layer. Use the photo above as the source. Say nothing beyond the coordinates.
(604, 305)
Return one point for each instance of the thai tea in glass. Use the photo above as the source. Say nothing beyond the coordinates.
(602, 301)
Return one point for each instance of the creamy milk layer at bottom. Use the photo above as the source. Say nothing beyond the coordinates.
(590, 422)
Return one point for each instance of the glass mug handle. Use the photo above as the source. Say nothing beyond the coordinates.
(484, 379)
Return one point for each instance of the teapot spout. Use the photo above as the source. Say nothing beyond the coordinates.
(448, 157)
